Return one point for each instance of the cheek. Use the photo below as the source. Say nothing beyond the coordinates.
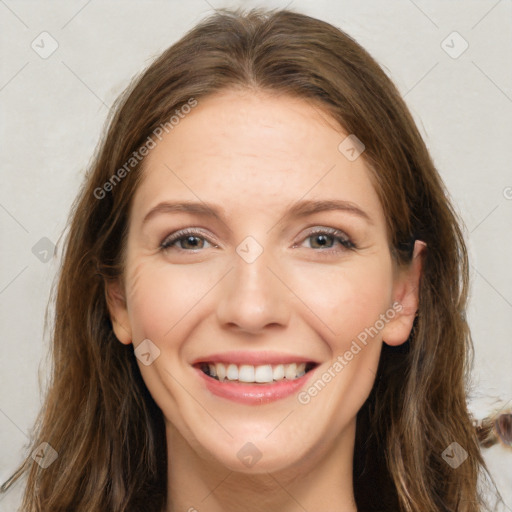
(340, 300)
(345, 299)
(163, 297)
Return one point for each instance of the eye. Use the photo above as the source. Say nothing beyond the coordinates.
(185, 237)
(190, 240)
(321, 236)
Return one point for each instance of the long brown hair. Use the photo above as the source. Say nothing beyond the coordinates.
(98, 414)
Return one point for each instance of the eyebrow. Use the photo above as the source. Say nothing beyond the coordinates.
(299, 209)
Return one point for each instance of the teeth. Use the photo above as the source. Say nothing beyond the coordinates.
(232, 372)
(278, 372)
(290, 371)
(263, 373)
(220, 369)
(248, 373)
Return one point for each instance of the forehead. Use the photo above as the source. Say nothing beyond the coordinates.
(243, 149)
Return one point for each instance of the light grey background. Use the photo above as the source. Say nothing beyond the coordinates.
(54, 109)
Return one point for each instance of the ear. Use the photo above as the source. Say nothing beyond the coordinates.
(406, 298)
(116, 302)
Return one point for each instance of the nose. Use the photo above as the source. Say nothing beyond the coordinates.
(254, 295)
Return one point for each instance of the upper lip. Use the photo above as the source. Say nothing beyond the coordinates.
(253, 358)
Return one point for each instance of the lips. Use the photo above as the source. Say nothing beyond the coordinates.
(261, 366)
(254, 377)
(253, 358)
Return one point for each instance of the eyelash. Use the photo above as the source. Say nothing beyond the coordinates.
(338, 236)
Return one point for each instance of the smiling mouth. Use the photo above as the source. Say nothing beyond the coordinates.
(260, 374)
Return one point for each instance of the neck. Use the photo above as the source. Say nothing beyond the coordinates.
(196, 484)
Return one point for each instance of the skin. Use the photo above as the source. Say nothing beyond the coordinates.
(255, 155)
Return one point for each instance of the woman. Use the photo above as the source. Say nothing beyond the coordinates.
(251, 369)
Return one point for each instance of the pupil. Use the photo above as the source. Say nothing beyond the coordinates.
(190, 240)
(321, 239)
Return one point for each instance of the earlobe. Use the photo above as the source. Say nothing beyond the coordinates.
(118, 311)
(406, 294)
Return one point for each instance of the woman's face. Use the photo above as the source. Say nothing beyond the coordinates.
(265, 282)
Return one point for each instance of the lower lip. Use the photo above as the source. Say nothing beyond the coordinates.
(253, 394)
